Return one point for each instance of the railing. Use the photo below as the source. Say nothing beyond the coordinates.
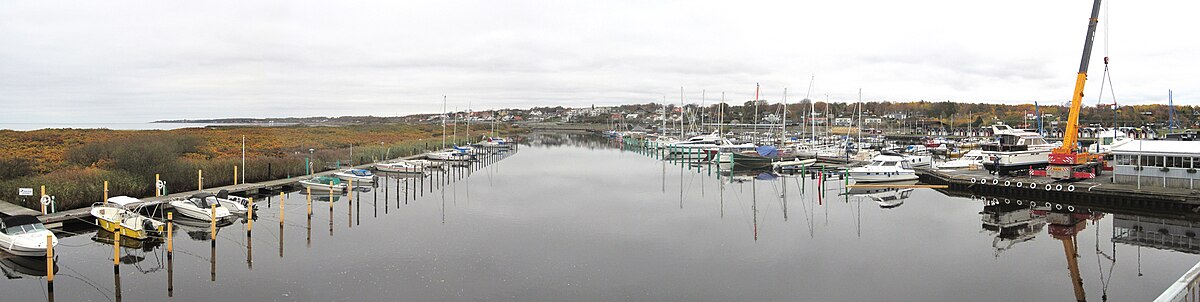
(1187, 288)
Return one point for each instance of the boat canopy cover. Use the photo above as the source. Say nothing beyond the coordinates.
(122, 200)
(360, 172)
(201, 200)
(11, 221)
(767, 151)
(461, 149)
(329, 180)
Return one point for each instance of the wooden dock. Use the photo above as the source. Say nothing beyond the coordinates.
(1098, 192)
(10, 209)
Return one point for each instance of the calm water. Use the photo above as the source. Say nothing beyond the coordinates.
(573, 218)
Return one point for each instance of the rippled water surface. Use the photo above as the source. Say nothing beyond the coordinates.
(571, 217)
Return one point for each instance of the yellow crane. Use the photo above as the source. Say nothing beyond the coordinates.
(1069, 162)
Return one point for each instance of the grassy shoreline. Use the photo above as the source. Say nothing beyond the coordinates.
(74, 163)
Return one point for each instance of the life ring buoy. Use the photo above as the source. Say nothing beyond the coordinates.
(995, 181)
(1018, 202)
(1071, 208)
(1032, 204)
(46, 200)
(1019, 184)
(1007, 183)
(1006, 201)
(1071, 188)
(1048, 187)
(1033, 185)
(1058, 188)
(972, 180)
(1058, 206)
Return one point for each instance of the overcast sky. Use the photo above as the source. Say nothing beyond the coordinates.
(109, 61)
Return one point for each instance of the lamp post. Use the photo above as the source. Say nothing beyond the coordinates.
(308, 161)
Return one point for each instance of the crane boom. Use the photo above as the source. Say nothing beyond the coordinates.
(1071, 136)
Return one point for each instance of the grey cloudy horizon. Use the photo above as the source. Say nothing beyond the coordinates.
(143, 61)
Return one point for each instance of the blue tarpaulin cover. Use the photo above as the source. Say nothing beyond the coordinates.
(767, 151)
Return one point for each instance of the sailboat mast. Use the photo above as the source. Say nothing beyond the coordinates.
(783, 120)
(443, 122)
(681, 113)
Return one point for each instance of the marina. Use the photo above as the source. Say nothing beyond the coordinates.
(649, 223)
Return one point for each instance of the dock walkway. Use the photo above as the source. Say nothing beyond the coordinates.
(10, 209)
(1098, 191)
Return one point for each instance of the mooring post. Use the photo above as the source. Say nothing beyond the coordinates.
(212, 225)
(309, 199)
(116, 250)
(105, 192)
(170, 230)
(43, 198)
(157, 191)
(249, 217)
(199, 180)
(50, 264)
(235, 174)
(280, 209)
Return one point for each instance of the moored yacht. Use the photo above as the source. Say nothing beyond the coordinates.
(1015, 150)
(884, 168)
(24, 235)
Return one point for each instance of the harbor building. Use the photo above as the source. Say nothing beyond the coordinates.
(1157, 163)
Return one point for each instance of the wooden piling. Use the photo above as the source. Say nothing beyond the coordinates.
(212, 226)
(170, 231)
(308, 197)
(157, 192)
(105, 193)
(249, 217)
(50, 263)
(235, 175)
(116, 249)
(280, 209)
(43, 196)
(199, 180)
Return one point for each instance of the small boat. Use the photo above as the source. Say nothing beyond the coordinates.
(884, 168)
(118, 216)
(973, 158)
(361, 176)
(324, 183)
(795, 163)
(24, 235)
(425, 163)
(200, 206)
(494, 143)
(891, 199)
(400, 167)
(450, 156)
(236, 204)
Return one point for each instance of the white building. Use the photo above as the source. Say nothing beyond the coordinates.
(1157, 163)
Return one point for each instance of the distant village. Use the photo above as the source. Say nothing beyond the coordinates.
(919, 114)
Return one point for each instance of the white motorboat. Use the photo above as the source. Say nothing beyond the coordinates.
(891, 198)
(884, 168)
(24, 235)
(200, 206)
(323, 183)
(236, 204)
(121, 215)
(360, 176)
(1015, 150)
(973, 158)
(494, 143)
(400, 167)
(1108, 139)
(453, 155)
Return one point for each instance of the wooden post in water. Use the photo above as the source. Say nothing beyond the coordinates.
(50, 264)
(105, 192)
(116, 250)
(280, 209)
(249, 217)
(309, 199)
(213, 223)
(170, 230)
(43, 197)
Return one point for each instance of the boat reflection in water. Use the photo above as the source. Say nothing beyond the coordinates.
(1010, 224)
(17, 267)
(886, 198)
